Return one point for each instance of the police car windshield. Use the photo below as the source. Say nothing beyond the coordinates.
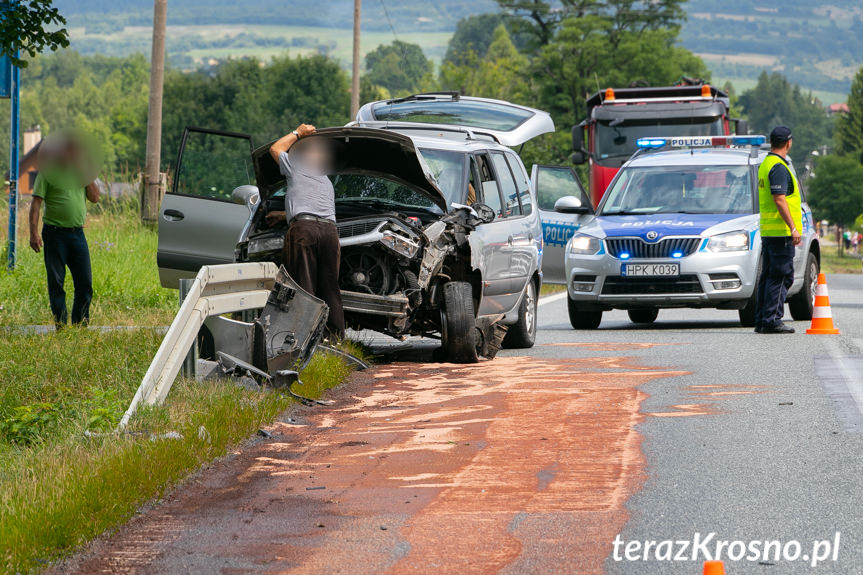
(680, 189)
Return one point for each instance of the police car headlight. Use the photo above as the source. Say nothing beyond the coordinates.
(729, 242)
(585, 245)
(263, 245)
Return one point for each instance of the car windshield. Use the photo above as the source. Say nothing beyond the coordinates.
(475, 114)
(378, 191)
(448, 169)
(615, 140)
(680, 189)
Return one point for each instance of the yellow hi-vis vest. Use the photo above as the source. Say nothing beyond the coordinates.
(772, 224)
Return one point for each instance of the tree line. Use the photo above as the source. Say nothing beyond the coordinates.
(542, 54)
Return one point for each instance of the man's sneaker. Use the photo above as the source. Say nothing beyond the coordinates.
(759, 329)
(778, 328)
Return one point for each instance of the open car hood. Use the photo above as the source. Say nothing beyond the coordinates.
(366, 151)
(509, 124)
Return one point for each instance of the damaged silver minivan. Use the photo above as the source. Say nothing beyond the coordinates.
(437, 217)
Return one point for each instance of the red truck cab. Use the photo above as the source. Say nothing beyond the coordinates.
(617, 117)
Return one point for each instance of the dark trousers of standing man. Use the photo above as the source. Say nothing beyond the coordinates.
(311, 256)
(67, 247)
(777, 275)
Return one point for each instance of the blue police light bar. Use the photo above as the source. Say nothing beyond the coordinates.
(699, 142)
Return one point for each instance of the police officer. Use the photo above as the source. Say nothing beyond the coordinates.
(311, 253)
(781, 222)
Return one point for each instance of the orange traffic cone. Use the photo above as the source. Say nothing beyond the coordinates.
(822, 317)
(714, 568)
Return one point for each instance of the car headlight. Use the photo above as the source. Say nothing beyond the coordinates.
(584, 244)
(729, 242)
(262, 245)
(400, 244)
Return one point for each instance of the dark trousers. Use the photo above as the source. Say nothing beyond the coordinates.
(777, 275)
(311, 256)
(67, 247)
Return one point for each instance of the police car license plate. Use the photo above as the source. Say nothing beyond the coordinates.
(650, 270)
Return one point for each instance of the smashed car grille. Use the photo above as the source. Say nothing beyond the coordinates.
(357, 229)
(684, 284)
(640, 249)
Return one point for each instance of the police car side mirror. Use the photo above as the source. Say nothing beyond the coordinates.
(570, 205)
(247, 195)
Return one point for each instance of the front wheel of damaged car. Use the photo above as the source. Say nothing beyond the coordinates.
(522, 334)
(458, 323)
(581, 318)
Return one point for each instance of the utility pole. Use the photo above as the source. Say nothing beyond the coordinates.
(355, 78)
(154, 180)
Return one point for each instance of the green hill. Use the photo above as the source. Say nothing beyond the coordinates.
(816, 45)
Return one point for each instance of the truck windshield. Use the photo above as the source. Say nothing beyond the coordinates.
(680, 189)
(617, 140)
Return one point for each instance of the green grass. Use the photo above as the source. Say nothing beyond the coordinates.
(834, 263)
(59, 488)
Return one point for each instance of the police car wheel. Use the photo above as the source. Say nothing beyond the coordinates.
(583, 319)
(802, 303)
(643, 315)
(522, 334)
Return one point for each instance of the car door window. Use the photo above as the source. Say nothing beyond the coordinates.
(212, 164)
(488, 192)
(506, 181)
(521, 183)
(555, 182)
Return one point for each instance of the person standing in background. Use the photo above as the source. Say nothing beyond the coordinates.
(63, 189)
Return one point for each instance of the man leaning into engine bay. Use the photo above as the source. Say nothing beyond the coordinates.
(312, 252)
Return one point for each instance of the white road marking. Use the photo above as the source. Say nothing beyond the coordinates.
(853, 381)
(551, 298)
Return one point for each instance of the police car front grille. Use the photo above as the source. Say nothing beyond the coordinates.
(349, 230)
(640, 249)
(684, 284)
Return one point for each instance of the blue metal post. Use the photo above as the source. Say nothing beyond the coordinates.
(15, 131)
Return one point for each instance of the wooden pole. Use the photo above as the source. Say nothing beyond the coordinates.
(154, 181)
(355, 77)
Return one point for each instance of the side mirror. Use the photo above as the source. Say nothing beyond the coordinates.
(578, 138)
(247, 195)
(578, 157)
(484, 212)
(570, 205)
(741, 127)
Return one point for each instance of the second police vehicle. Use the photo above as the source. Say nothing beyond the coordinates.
(678, 227)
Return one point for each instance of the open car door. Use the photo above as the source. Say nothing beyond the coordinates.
(563, 205)
(199, 224)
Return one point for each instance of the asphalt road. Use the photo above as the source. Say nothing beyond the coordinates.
(538, 461)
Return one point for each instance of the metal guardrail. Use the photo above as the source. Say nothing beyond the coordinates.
(216, 290)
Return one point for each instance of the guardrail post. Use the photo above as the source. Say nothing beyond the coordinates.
(190, 363)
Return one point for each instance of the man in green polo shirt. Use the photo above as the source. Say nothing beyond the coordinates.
(60, 188)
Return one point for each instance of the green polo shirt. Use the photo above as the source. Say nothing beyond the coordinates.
(65, 207)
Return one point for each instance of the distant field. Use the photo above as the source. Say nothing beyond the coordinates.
(197, 44)
(743, 84)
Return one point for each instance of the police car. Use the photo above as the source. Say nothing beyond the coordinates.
(678, 227)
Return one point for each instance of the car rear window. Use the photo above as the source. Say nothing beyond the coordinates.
(487, 115)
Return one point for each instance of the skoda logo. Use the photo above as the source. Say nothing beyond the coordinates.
(651, 235)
